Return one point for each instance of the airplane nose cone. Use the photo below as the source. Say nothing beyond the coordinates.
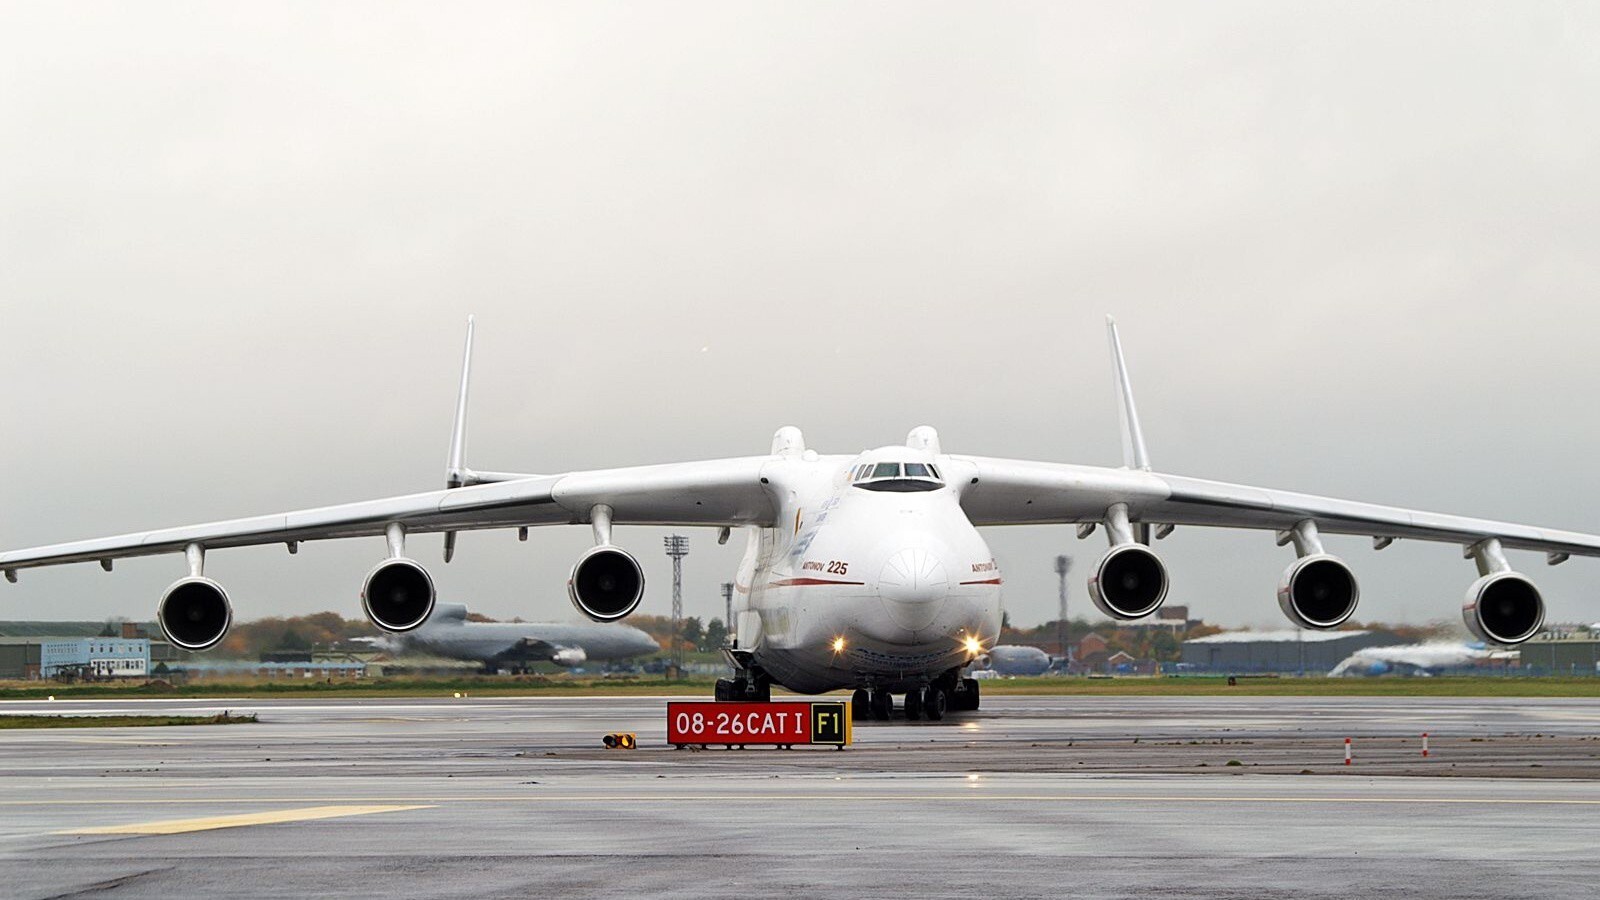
(912, 586)
(644, 643)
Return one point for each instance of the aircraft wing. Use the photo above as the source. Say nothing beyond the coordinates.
(725, 492)
(1009, 492)
(1014, 492)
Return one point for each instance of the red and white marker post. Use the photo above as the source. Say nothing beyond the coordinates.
(1424, 743)
(1347, 755)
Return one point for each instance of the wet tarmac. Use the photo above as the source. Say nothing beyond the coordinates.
(1032, 797)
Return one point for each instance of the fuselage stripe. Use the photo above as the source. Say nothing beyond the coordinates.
(801, 582)
(988, 581)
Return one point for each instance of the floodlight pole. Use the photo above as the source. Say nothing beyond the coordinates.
(677, 548)
(1063, 564)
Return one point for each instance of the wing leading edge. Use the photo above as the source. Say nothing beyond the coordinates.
(725, 492)
(1016, 492)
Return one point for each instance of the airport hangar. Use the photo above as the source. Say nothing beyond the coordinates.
(1283, 651)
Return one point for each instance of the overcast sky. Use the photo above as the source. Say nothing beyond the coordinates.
(1353, 249)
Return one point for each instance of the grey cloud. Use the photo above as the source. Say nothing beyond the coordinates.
(1351, 247)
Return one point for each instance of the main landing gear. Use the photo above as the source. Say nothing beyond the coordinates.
(944, 695)
(864, 704)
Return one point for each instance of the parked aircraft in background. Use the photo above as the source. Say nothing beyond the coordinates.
(1418, 659)
(1012, 659)
(515, 645)
(862, 571)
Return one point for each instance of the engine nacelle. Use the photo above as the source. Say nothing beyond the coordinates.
(1129, 583)
(1318, 591)
(606, 583)
(567, 657)
(195, 613)
(1503, 608)
(398, 595)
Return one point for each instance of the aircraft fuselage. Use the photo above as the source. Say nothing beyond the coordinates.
(878, 583)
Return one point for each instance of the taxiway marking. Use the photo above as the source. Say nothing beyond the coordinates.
(272, 817)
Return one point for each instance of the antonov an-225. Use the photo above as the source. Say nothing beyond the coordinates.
(864, 572)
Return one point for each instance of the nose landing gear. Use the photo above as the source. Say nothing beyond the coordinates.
(964, 697)
(749, 686)
(882, 705)
(932, 702)
(860, 705)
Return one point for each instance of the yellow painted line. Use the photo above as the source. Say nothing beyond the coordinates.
(976, 794)
(273, 817)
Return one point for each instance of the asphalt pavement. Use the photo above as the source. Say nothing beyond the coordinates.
(1032, 797)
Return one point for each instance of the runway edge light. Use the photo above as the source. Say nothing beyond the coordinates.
(621, 740)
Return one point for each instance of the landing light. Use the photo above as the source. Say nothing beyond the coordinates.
(973, 645)
(838, 645)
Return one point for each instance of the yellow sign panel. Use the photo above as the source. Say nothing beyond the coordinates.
(830, 723)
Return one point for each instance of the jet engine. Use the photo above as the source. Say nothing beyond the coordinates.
(567, 657)
(398, 594)
(1129, 583)
(606, 583)
(1503, 608)
(195, 613)
(1318, 591)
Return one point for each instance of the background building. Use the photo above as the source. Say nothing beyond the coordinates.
(1563, 650)
(95, 658)
(19, 658)
(1286, 652)
(83, 649)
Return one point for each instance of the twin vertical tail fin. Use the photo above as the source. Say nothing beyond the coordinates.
(1134, 455)
(456, 473)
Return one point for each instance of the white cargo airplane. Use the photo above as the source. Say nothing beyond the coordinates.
(864, 572)
(515, 645)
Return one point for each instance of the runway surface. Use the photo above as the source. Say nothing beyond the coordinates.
(1035, 796)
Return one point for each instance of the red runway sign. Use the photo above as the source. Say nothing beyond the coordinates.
(780, 724)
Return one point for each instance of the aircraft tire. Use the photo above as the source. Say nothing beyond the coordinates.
(935, 703)
(968, 696)
(913, 704)
(860, 705)
(882, 705)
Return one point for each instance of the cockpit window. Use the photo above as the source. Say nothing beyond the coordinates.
(897, 477)
(934, 471)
